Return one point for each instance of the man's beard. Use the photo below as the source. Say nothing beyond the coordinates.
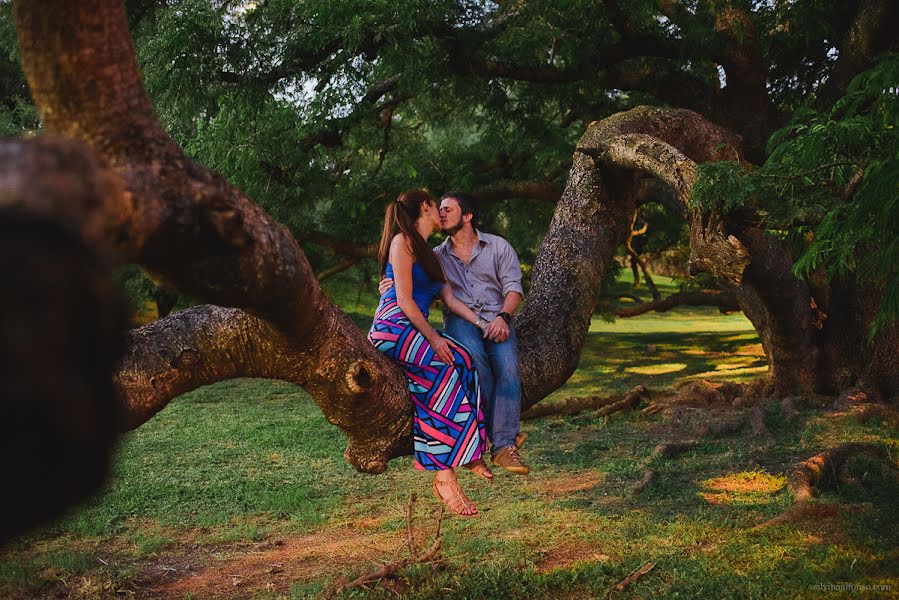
(454, 229)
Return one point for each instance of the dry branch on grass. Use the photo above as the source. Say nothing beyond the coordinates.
(394, 566)
(634, 576)
(603, 406)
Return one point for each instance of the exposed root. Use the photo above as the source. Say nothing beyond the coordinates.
(722, 427)
(706, 393)
(855, 396)
(630, 402)
(788, 408)
(393, 567)
(801, 511)
(757, 422)
(812, 473)
(827, 468)
(648, 478)
(877, 412)
(672, 449)
(603, 405)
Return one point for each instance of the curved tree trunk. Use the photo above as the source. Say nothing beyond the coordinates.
(188, 226)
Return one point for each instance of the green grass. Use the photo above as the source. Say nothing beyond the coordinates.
(228, 472)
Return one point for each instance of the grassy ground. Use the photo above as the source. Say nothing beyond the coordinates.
(240, 490)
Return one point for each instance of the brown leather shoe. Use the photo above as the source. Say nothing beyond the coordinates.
(520, 439)
(509, 459)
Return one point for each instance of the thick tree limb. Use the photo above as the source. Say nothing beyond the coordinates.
(205, 344)
(341, 246)
(188, 226)
(872, 31)
(721, 299)
(503, 189)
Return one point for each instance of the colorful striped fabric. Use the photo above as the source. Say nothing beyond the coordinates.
(449, 427)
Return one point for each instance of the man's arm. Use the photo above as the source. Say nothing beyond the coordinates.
(508, 272)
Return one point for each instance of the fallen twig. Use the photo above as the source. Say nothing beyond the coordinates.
(634, 576)
(393, 567)
(409, 518)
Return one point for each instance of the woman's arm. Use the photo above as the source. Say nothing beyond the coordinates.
(401, 258)
(457, 307)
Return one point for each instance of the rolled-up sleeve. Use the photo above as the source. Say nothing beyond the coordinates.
(508, 268)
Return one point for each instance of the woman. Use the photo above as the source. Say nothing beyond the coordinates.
(449, 427)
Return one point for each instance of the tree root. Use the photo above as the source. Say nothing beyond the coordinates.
(393, 567)
(722, 427)
(809, 476)
(603, 406)
(649, 476)
(788, 408)
(672, 449)
(757, 422)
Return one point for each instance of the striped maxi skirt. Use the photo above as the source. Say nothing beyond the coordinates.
(449, 426)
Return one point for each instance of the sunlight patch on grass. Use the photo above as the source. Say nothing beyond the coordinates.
(734, 364)
(659, 369)
(730, 373)
(743, 489)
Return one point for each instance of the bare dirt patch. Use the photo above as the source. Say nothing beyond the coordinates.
(570, 483)
(276, 564)
(567, 554)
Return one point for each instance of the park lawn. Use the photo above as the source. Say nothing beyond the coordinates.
(240, 489)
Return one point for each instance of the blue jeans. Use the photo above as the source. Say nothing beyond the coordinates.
(497, 366)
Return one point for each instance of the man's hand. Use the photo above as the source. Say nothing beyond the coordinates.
(385, 284)
(497, 330)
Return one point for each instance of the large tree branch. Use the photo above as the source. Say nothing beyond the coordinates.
(342, 246)
(205, 344)
(721, 299)
(505, 188)
(187, 225)
(873, 30)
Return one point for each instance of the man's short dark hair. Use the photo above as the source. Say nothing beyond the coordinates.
(467, 204)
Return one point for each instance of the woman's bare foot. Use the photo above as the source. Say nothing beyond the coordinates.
(480, 468)
(448, 491)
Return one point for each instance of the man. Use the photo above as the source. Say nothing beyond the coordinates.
(485, 274)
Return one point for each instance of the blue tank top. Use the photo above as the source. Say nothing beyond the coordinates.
(424, 289)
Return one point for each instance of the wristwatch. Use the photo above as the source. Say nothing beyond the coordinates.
(506, 317)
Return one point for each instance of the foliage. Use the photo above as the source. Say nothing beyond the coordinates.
(831, 183)
(17, 113)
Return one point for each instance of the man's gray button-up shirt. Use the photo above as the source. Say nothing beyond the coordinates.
(492, 271)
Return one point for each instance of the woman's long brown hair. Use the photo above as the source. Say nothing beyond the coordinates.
(400, 218)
